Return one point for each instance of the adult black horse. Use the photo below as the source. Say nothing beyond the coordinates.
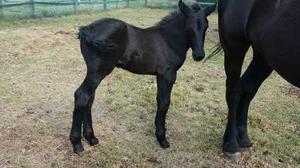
(272, 28)
(159, 50)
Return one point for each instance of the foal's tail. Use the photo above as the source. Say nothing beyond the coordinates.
(85, 35)
(217, 50)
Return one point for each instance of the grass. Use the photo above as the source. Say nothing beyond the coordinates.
(41, 66)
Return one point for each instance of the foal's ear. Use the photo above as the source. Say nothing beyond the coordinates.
(184, 8)
(210, 9)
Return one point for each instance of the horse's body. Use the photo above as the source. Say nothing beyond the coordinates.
(159, 50)
(272, 29)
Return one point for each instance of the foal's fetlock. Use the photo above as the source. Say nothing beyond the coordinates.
(163, 142)
(90, 137)
(78, 148)
(92, 140)
(77, 145)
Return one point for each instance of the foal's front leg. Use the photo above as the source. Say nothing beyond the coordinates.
(164, 88)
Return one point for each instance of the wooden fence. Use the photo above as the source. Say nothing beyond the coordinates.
(43, 8)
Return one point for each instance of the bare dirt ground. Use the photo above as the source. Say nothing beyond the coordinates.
(41, 66)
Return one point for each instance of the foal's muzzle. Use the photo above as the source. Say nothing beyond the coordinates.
(198, 56)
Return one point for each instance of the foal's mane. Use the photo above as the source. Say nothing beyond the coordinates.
(168, 18)
(176, 13)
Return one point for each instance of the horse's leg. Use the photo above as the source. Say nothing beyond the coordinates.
(84, 97)
(234, 58)
(164, 88)
(251, 80)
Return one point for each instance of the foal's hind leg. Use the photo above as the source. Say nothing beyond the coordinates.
(251, 80)
(164, 88)
(84, 97)
(88, 131)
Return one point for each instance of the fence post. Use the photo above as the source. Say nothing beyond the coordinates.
(1, 10)
(90, 6)
(104, 5)
(127, 3)
(117, 4)
(32, 8)
(75, 6)
(146, 2)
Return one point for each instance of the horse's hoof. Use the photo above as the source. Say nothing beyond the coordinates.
(235, 157)
(93, 141)
(246, 149)
(231, 147)
(164, 144)
(246, 145)
(78, 148)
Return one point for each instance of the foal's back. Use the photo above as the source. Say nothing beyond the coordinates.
(130, 47)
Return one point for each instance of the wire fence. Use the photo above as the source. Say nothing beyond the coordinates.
(21, 9)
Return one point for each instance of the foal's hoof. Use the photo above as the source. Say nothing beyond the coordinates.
(92, 141)
(235, 157)
(78, 148)
(164, 144)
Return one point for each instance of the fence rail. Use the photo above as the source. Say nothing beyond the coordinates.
(10, 9)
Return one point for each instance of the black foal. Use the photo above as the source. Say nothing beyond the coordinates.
(159, 50)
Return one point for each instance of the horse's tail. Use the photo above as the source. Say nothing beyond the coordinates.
(216, 50)
(85, 35)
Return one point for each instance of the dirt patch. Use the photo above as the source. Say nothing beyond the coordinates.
(293, 91)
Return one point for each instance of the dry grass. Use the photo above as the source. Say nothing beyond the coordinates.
(41, 66)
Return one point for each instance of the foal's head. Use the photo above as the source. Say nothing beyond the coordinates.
(196, 26)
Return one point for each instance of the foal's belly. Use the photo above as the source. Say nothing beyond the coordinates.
(138, 63)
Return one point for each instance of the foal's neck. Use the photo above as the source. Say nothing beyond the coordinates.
(173, 30)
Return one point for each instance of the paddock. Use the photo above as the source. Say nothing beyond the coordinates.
(41, 67)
